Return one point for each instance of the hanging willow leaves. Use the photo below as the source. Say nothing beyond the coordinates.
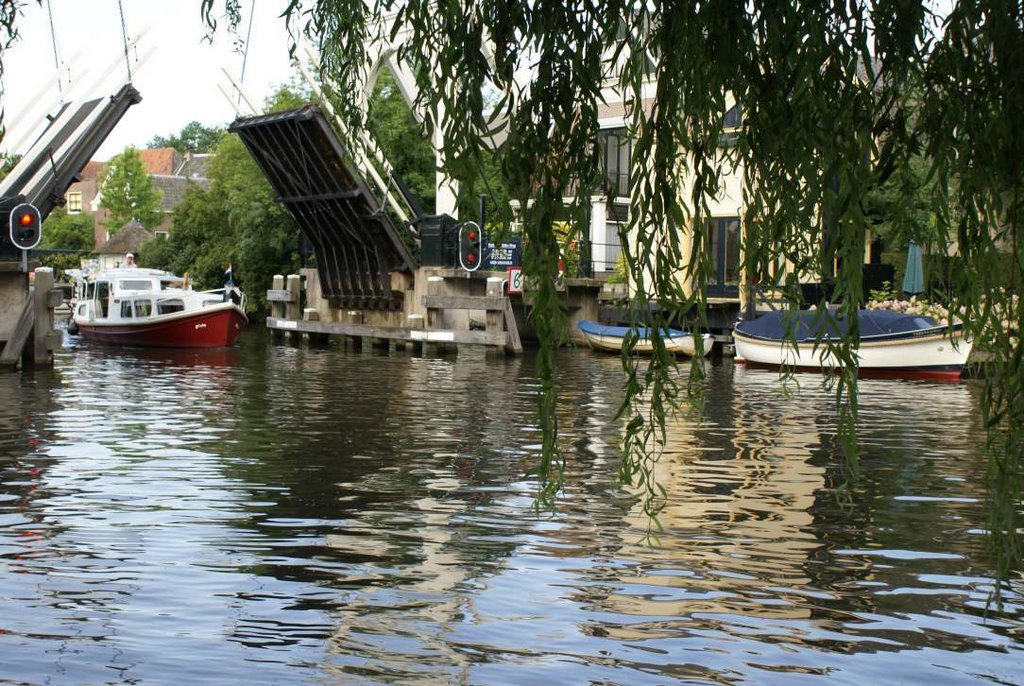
(837, 97)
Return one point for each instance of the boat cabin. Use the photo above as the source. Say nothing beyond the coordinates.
(123, 295)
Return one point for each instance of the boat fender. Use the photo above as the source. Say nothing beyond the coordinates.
(72, 327)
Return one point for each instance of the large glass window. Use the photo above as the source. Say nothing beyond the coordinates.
(732, 122)
(616, 157)
(724, 244)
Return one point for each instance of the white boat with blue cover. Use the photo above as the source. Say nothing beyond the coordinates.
(891, 343)
(612, 338)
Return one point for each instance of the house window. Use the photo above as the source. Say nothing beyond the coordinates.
(724, 245)
(74, 203)
(732, 122)
(616, 158)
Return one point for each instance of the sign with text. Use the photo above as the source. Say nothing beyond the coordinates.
(515, 280)
(502, 255)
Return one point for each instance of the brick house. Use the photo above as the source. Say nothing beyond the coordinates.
(170, 171)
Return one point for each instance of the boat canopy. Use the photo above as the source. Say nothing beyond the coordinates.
(807, 324)
(642, 332)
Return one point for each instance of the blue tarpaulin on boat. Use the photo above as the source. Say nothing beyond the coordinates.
(806, 324)
(598, 329)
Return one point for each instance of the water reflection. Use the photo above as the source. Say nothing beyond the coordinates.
(296, 514)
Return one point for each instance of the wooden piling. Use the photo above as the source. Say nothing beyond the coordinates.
(293, 308)
(277, 307)
(45, 297)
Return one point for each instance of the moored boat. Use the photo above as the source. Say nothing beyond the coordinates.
(890, 343)
(154, 308)
(612, 338)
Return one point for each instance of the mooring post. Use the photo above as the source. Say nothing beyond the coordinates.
(495, 318)
(435, 316)
(277, 308)
(415, 323)
(45, 297)
(293, 308)
(311, 314)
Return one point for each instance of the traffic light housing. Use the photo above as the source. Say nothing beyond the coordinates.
(26, 226)
(471, 252)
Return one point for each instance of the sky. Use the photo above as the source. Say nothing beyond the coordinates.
(178, 81)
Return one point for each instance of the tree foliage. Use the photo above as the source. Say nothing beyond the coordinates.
(74, 233)
(193, 138)
(127, 192)
(63, 231)
(827, 91)
(234, 221)
(401, 139)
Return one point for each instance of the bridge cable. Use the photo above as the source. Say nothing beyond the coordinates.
(245, 49)
(124, 38)
(56, 51)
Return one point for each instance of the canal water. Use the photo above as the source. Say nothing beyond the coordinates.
(272, 514)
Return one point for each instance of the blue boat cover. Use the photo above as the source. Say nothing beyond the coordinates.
(598, 329)
(806, 324)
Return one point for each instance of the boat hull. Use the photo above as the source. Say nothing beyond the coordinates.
(212, 328)
(612, 339)
(933, 355)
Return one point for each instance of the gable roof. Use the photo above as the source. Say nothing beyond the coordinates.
(92, 170)
(194, 166)
(172, 188)
(130, 238)
(160, 160)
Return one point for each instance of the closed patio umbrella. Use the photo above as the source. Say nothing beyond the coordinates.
(913, 277)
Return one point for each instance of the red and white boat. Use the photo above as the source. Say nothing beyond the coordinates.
(150, 307)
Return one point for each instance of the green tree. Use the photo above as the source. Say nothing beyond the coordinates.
(193, 138)
(63, 231)
(404, 143)
(288, 96)
(898, 209)
(7, 163)
(233, 221)
(74, 233)
(128, 193)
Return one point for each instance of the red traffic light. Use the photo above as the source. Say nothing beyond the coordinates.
(470, 248)
(24, 225)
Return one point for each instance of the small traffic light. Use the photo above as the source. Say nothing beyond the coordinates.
(470, 246)
(26, 230)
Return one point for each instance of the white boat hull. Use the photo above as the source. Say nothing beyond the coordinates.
(934, 355)
(678, 345)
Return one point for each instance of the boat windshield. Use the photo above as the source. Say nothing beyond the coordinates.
(135, 285)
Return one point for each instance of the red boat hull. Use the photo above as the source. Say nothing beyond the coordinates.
(216, 329)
